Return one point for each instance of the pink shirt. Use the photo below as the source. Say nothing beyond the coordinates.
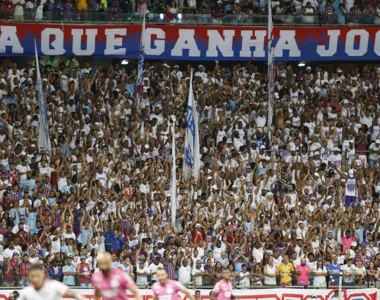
(303, 277)
(346, 243)
(223, 289)
(114, 286)
(169, 291)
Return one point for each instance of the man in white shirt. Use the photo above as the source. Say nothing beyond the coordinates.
(142, 274)
(349, 273)
(374, 153)
(153, 268)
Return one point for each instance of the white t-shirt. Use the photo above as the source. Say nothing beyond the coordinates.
(55, 245)
(52, 290)
(320, 279)
(350, 270)
(184, 275)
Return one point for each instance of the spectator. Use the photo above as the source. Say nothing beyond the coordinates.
(308, 13)
(355, 12)
(18, 10)
(23, 271)
(218, 12)
(303, 271)
(84, 272)
(114, 10)
(142, 273)
(368, 14)
(7, 8)
(55, 271)
(349, 273)
(320, 273)
(285, 269)
(329, 13)
(69, 271)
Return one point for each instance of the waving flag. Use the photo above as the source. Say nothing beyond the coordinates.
(270, 66)
(43, 129)
(173, 182)
(140, 70)
(192, 157)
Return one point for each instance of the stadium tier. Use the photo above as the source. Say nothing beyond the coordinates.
(230, 145)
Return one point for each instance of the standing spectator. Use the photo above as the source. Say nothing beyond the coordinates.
(360, 274)
(355, 12)
(303, 271)
(7, 8)
(23, 271)
(308, 13)
(18, 9)
(372, 275)
(142, 273)
(320, 273)
(184, 272)
(368, 13)
(285, 269)
(69, 271)
(9, 274)
(84, 272)
(270, 273)
(349, 273)
(329, 13)
(55, 271)
(114, 10)
(218, 12)
(142, 7)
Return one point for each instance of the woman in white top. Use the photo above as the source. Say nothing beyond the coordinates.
(320, 274)
(270, 273)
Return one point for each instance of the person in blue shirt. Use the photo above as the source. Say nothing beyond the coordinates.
(57, 10)
(359, 232)
(334, 269)
(223, 259)
(118, 241)
(69, 271)
(29, 181)
(55, 271)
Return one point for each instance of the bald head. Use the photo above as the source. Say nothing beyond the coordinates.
(105, 262)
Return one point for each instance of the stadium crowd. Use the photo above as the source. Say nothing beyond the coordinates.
(220, 11)
(288, 204)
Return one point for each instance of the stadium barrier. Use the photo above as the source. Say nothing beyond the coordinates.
(260, 294)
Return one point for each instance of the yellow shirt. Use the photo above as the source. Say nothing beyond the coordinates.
(284, 271)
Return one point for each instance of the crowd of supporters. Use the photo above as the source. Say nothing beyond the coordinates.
(293, 203)
(284, 11)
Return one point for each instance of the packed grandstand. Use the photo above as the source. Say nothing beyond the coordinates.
(282, 201)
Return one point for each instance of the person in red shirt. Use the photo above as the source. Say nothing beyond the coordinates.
(198, 234)
(7, 8)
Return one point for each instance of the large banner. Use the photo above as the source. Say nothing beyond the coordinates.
(192, 42)
(260, 294)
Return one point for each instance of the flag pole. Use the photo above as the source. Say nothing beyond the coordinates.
(140, 67)
(173, 181)
(43, 128)
(270, 66)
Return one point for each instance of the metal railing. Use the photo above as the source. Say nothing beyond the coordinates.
(185, 18)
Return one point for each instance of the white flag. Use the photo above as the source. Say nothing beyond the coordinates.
(43, 129)
(173, 182)
(192, 156)
(270, 66)
(140, 70)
